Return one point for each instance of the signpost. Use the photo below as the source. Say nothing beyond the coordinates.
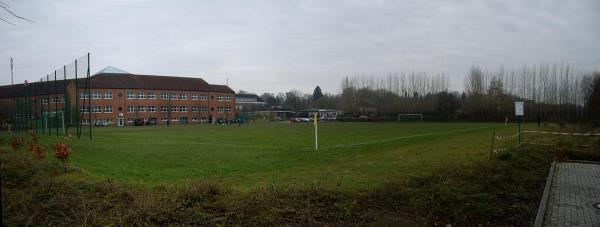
(519, 112)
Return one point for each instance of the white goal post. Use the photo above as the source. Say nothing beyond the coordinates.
(410, 116)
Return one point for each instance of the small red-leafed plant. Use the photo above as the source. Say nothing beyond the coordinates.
(16, 143)
(62, 150)
(35, 147)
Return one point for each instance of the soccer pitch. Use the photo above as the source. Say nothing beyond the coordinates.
(351, 155)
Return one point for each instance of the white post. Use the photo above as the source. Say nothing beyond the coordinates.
(316, 133)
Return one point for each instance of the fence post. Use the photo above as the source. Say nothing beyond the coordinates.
(492, 147)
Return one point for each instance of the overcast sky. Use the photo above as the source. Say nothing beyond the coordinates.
(277, 46)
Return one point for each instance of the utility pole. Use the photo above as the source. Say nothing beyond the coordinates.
(11, 71)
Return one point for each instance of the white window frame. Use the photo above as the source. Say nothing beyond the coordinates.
(141, 95)
(227, 98)
(141, 109)
(183, 109)
(131, 109)
(151, 95)
(164, 109)
(173, 96)
(174, 108)
(108, 95)
(203, 97)
(164, 95)
(221, 109)
(194, 96)
(183, 96)
(151, 109)
(108, 109)
(130, 95)
(220, 98)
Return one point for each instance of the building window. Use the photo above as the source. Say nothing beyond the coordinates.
(164, 96)
(108, 95)
(151, 109)
(203, 119)
(151, 95)
(173, 109)
(174, 119)
(85, 121)
(130, 95)
(228, 98)
(183, 96)
(220, 98)
(173, 96)
(108, 109)
(55, 99)
(97, 109)
(203, 109)
(141, 109)
(44, 100)
(195, 109)
(141, 95)
(203, 97)
(164, 119)
(130, 109)
(195, 118)
(221, 109)
(228, 109)
(163, 109)
(129, 120)
(183, 109)
(84, 109)
(96, 95)
(194, 96)
(84, 95)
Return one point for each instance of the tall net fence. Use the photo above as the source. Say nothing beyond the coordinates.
(58, 104)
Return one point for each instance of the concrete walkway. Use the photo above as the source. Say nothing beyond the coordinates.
(574, 192)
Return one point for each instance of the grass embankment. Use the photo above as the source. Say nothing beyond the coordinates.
(503, 191)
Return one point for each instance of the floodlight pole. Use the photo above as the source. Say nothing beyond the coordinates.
(11, 71)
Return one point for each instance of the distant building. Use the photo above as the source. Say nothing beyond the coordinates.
(248, 102)
(121, 98)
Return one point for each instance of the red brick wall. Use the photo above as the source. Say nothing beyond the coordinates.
(121, 103)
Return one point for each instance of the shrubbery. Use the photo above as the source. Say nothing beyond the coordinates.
(504, 191)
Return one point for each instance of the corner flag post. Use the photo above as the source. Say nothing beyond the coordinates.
(315, 122)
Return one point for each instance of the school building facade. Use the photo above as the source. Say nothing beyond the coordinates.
(116, 97)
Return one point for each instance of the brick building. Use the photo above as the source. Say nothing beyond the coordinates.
(120, 98)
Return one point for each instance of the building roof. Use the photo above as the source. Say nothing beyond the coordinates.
(118, 81)
(240, 98)
(35, 88)
(110, 69)
(136, 81)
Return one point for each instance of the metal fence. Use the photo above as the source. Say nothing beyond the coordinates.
(56, 103)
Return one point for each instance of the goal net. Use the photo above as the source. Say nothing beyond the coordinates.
(410, 117)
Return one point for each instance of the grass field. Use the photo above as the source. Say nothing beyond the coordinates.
(351, 155)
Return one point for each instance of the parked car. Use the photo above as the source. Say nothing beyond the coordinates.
(138, 122)
(102, 124)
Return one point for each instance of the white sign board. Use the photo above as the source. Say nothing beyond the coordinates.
(519, 109)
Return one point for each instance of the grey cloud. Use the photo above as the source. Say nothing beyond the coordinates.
(281, 45)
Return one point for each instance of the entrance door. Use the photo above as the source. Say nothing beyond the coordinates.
(120, 123)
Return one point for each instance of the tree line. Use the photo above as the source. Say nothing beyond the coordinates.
(551, 92)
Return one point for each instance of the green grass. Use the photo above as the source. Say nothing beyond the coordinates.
(351, 155)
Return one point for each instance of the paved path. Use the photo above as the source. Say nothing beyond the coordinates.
(575, 189)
